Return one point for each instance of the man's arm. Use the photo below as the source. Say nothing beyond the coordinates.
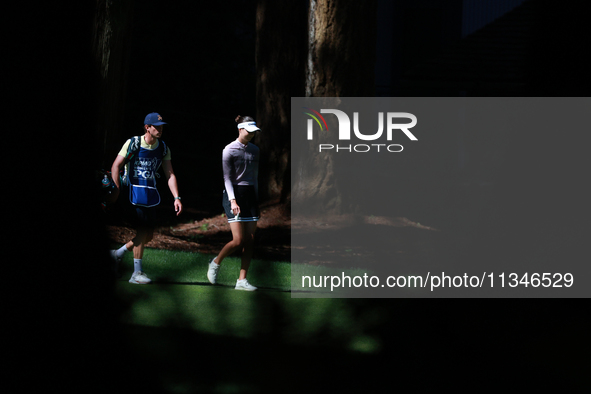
(172, 185)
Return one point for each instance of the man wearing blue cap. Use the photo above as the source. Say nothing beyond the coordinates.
(142, 157)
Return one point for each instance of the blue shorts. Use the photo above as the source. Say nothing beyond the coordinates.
(143, 217)
(246, 200)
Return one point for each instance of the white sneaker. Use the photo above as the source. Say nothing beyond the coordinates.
(139, 278)
(244, 285)
(212, 271)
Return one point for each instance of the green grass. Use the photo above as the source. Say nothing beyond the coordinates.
(224, 312)
(181, 296)
(165, 266)
(190, 336)
(184, 330)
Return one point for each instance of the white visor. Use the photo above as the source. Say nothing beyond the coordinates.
(251, 127)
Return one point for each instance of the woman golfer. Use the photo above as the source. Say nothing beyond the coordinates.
(240, 162)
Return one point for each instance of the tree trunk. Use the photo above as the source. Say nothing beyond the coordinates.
(341, 48)
(321, 49)
(280, 62)
(111, 39)
(340, 63)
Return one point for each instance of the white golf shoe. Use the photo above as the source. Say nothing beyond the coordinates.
(212, 271)
(244, 285)
(139, 278)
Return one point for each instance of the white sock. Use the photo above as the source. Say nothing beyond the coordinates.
(137, 265)
(121, 251)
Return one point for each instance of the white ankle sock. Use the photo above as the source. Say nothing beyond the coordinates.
(137, 265)
(121, 251)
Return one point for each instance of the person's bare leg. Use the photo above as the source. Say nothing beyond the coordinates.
(143, 236)
(233, 245)
(248, 230)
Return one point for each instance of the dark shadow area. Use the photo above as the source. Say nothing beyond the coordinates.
(366, 242)
(418, 342)
(64, 320)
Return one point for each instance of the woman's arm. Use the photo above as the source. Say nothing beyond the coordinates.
(228, 169)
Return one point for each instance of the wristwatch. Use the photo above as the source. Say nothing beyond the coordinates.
(177, 198)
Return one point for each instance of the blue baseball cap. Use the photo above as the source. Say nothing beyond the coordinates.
(154, 119)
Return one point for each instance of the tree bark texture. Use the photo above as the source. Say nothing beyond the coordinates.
(342, 48)
(318, 48)
(111, 40)
(340, 63)
(280, 62)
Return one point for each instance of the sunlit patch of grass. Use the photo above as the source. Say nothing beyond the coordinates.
(168, 266)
